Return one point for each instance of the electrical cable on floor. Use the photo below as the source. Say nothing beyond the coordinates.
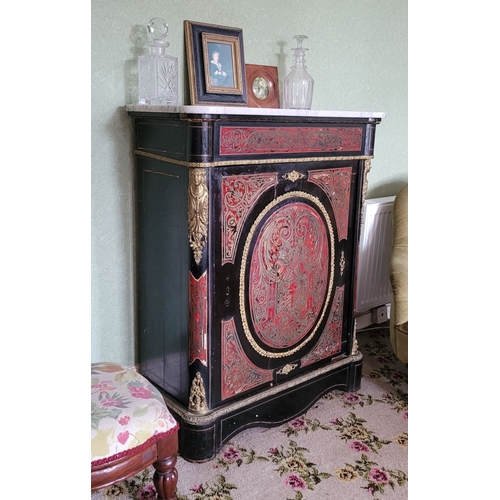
(373, 328)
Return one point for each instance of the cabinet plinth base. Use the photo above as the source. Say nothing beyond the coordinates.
(202, 436)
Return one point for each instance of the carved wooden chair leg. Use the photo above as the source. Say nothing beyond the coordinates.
(165, 478)
(165, 475)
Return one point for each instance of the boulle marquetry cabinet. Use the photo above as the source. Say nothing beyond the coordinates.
(247, 225)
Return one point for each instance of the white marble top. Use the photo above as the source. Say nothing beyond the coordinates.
(245, 110)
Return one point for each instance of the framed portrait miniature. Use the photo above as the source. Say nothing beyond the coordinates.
(216, 64)
(262, 86)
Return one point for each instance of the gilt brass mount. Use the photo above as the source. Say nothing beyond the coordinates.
(198, 211)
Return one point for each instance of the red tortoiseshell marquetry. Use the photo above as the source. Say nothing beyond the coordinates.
(337, 185)
(239, 195)
(238, 372)
(330, 341)
(198, 318)
(288, 275)
(259, 140)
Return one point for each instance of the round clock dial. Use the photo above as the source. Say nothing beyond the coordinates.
(260, 87)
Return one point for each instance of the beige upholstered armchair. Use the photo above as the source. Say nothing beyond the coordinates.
(399, 276)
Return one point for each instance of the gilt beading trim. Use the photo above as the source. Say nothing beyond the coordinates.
(212, 415)
(246, 161)
(244, 263)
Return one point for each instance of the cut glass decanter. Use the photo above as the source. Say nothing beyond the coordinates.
(298, 85)
(158, 71)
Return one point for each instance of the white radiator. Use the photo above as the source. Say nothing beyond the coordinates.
(373, 283)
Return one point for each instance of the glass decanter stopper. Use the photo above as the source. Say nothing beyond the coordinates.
(158, 71)
(298, 85)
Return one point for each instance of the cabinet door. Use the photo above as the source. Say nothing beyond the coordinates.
(282, 250)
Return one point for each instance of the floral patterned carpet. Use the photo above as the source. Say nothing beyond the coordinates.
(348, 446)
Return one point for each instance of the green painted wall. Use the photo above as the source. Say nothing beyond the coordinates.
(358, 56)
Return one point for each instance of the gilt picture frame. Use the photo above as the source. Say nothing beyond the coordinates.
(216, 64)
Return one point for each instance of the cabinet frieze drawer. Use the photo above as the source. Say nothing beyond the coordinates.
(255, 140)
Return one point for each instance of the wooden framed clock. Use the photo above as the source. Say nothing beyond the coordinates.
(262, 86)
(248, 224)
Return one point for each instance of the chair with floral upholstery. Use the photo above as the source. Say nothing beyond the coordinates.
(131, 429)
